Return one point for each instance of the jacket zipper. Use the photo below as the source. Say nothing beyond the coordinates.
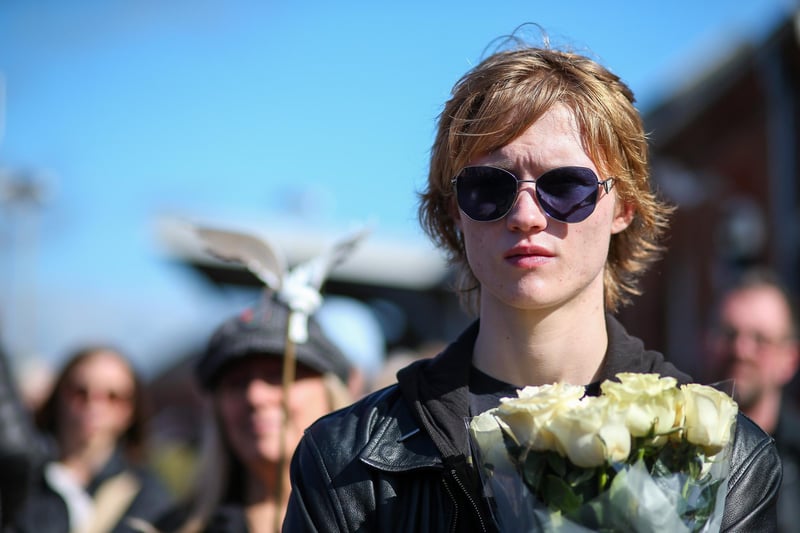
(455, 505)
(469, 498)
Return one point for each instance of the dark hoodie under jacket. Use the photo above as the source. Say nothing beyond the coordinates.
(397, 460)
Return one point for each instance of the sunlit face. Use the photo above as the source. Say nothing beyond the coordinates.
(96, 400)
(249, 401)
(527, 260)
(753, 344)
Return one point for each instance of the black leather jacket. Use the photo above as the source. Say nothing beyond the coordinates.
(787, 438)
(397, 459)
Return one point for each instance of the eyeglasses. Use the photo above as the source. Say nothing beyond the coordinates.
(566, 194)
(729, 336)
(83, 394)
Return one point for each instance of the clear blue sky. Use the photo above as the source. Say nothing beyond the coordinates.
(131, 109)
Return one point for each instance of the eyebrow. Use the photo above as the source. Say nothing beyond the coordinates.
(504, 163)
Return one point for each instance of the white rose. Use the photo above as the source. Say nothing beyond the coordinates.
(709, 417)
(592, 433)
(527, 415)
(487, 432)
(651, 403)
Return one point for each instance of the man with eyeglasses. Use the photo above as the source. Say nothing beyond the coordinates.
(754, 342)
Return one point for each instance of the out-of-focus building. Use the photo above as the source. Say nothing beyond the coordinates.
(726, 151)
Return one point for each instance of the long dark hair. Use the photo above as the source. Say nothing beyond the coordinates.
(133, 440)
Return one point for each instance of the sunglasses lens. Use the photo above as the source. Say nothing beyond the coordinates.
(485, 193)
(568, 194)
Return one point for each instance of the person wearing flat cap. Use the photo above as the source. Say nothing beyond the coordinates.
(243, 462)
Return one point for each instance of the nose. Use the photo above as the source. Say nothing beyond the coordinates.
(526, 214)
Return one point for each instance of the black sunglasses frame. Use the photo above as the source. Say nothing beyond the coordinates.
(569, 214)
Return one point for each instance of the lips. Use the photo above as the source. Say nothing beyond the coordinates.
(528, 256)
(527, 251)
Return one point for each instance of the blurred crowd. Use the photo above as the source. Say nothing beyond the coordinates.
(206, 448)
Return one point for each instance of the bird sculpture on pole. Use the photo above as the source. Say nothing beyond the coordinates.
(298, 288)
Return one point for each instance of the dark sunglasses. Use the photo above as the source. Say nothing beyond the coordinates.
(566, 194)
(83, 394)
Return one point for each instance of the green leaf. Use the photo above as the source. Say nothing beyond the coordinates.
(557, 464)
(533, 470)
(560, 495)
(581, 476)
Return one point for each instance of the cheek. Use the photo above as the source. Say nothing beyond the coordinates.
(475, 245)
(591, 245)
(777, 367)
(309, 401)
(229, 411)
(124, 418)
(68, 411)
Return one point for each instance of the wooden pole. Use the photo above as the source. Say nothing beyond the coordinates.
(289, 370)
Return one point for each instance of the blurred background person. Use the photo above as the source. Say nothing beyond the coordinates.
(242, 460)
(94, 421)
(754, 342)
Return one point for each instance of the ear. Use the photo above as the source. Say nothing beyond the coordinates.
(623, 216)
(790, 360)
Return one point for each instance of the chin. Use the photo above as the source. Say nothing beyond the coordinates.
(746, 398)
(269, 452)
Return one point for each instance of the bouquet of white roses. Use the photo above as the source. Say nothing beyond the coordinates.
(644, 455)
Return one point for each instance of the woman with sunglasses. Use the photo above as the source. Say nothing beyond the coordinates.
(539, 191)
(97, 479)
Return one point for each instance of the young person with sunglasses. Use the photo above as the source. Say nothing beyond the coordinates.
(97, 478)
(539, 191)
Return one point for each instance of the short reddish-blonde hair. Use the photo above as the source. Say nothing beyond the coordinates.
(497, 101)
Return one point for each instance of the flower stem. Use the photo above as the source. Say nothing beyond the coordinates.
(602, 479)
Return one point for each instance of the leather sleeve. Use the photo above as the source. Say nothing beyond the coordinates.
(754, 482)
(312, 504)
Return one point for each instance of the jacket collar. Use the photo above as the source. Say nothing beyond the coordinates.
(398, 444)
(435, 401)
(412, 436)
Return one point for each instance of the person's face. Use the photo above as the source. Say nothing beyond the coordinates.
(753, 343)
(526, 259)
(249, 401)
(97, 400)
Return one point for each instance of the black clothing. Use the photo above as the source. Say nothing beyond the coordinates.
(46, 511)
(398, 459)
(787, 439)
(227, 518)
(19, 448)
(485, 391)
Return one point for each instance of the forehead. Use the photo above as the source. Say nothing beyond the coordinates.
(102, 363)
(554, 139)
(763, 307)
